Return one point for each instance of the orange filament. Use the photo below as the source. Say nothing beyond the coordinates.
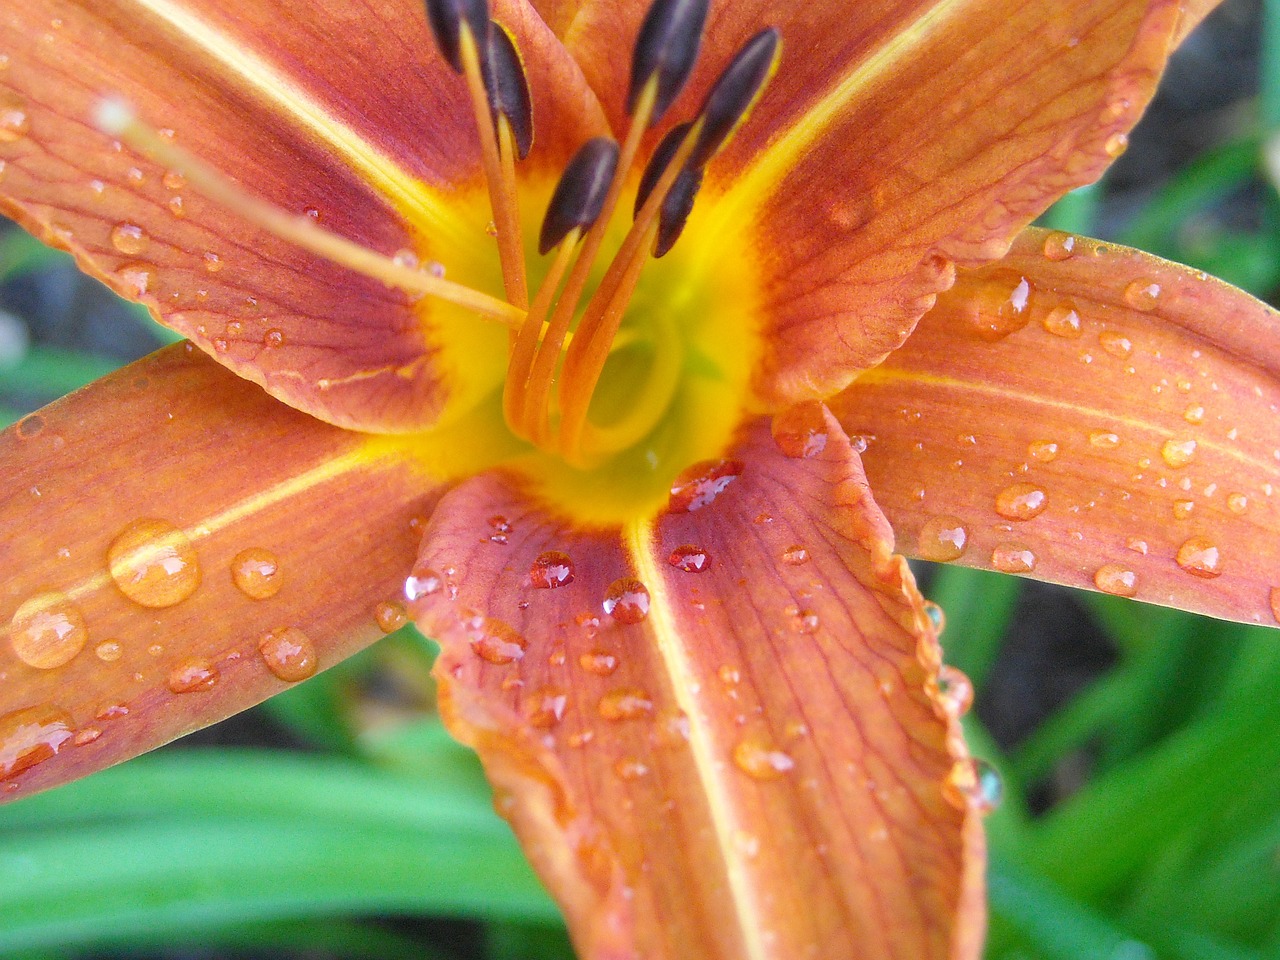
(499, 174)
(300, 230)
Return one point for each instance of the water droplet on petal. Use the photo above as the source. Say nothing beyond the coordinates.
(1021, 501)
(998, 308)
(1182, 509)
(550, 570)
(273, 338)
(256, 573)
(800, 620)
(129, 238)
(629, 768)
(30, 427)
(1178, 453)
(139, 278)
(625, 703)
(689, 559)
(153, 563)
(193, 676)
(545, 707)
(801, 431)
(973, 784)
(1116, 344)
(758, 758)
(1059, 246)
(1237, 503)
(936, 616)
(627, 600)
(955, 691)
(942, 538)
(1104, 439)
(1117, 580)
(795, 555)
(1063, 321)
(422, 583)
(31, 736)
(47, 631)
(109, 651)
(493, 640)
(1013, 558)
(599, 662)
(390, 616)
(14, 121)
(1200, 557)
(288, 654)
(1116, 144)
(1142, 294)
(698, 485)
(1046, 451)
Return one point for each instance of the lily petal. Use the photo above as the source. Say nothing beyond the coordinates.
(713, 732)
(350, 115)
(158, 527)
(1089, 415)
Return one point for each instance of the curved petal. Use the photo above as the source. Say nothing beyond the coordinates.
(712, 731)
(1089, 415)
(1193, 14)
(347, 113)
(225, 515)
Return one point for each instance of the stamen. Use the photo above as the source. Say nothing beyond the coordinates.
(447, 17)
(117, 119)
(502, 189)
(508, 88)
(580, 194)
(735, 93)
(678, 203)
(666, 50)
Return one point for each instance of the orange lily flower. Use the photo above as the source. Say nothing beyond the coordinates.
(672, 619)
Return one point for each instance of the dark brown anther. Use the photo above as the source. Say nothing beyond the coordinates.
(662, 155)
(580, 193)
(508, 87)
(447, 17)
(735, 93)
(667, 48)
(676, 207)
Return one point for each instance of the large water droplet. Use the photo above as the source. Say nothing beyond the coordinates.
(955, 691)
(942, 538)
(700, 484)
(550, 570)
(545, 707)
(625, 703)
(801, 431)
(1046, 451)
(1182, 509)
(493, 640)
(1063, 321)
(109, 651)
(974, 784)
(153, 563)
(288, 654)
(47, 631)
(256, 573)
(193, 676)
(1116, 144)
(1104, 439)
(1237, 503)
(599, 662)
(689, 559)
(138, 278)
(31, 736)
(389, 616)
(1200, 557)
(1116, 344)
(1178, 453)
(998, 308)
(1021, 501)
(626, 600)
(422, 583)
(1142, 294)
(129, 238)
(1059, 246)
(936, 616)
(1115, 579)
(1013, 558)
(758, 758)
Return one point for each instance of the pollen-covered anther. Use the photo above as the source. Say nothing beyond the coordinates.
(447, 19)
(508, 89)
(580, 194)
(665, 52)
(735, 93)
(678, 202)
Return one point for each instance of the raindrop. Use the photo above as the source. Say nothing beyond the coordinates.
(1178, 453)
(689, 559)
(599, 662)
(625, 703)
(955, 691)
(1115, 579)
(1142, 294)
(1059, 246)
(389, 616)
(936, 616)
(1046, 451)
(801, 621)
(942, 538)
(288, 654)
(550, 570)
(30, 426)
(422, 583)
(14, 122)
(629, 768)
(138, 278)
(1237, 503)
(545, 707)
(698, 485)
(975, 785)
(1021, 501)
(173, 180)
(493, 640)
(626, 600)
(1194, 414)
(1200, 557)
(31, 736)
(1104, 439)
(212, 262)
(998, 308)
(153, 563)
(1182, 509)
(176, 207)
(1064, 322)
(1013, 558)
(758, 758)
(273, 338)
(109, 651)
(1116, 344)
(801, 431)
(256, 573)
(406, 258)
(129, 238)
(86, 736)
(193, 676)
(47, 631)
(795, 555)
(1116, 144)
